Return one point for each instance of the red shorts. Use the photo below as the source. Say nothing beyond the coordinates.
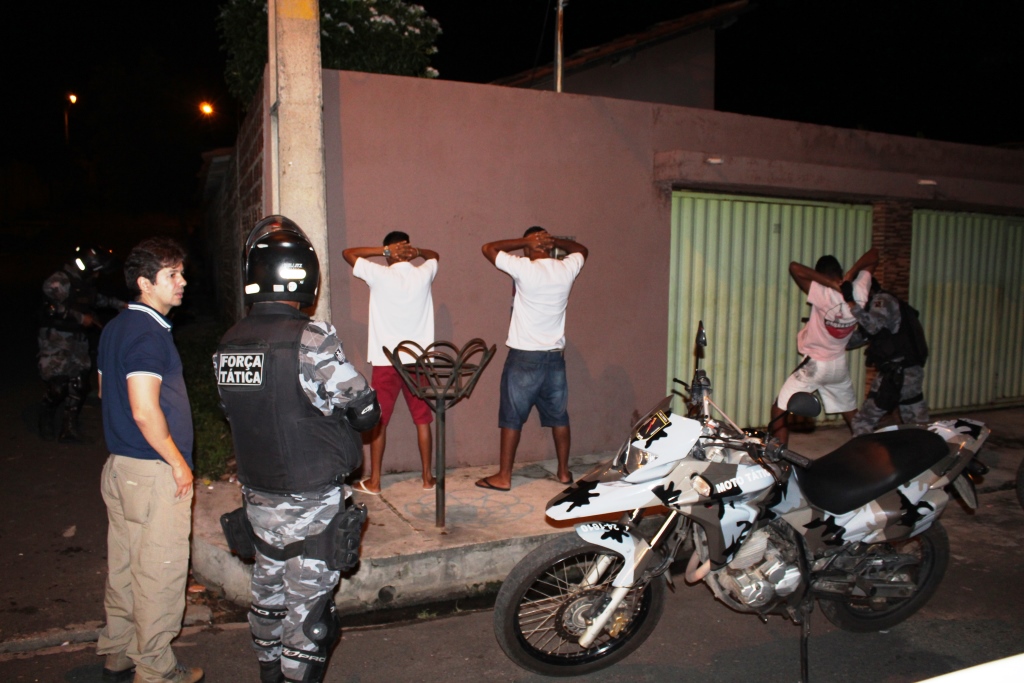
(386, 381)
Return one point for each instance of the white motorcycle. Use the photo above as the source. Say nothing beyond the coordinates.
(857, 530)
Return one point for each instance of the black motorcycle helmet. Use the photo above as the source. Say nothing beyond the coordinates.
(93, 259)
(279, 263)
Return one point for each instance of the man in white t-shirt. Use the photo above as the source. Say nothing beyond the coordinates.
(822, 341)
(401, 309)
(534, 372)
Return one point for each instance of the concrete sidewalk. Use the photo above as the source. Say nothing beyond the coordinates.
(407, 560)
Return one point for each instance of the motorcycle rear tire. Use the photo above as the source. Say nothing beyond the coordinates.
(539, 610)
(865, 615)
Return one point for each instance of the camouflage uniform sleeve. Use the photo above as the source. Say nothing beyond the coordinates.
(326, 376)
(104, 301)
(882, 313)
(57, 289)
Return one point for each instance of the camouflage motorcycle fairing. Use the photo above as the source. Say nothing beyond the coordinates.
(617, 538)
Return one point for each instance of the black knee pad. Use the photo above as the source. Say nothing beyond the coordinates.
(76, 394)
(323, 627)
(266, 614)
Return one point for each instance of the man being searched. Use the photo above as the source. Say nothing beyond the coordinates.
(534, 372)
(147, 480)
(822, 341)
(401, 309)
(897, 350)
(293, 401)
(69, 311)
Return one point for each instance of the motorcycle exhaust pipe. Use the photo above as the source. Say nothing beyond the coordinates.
(696, 573)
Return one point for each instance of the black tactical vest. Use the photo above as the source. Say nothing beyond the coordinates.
(282, 443)
(907, 346)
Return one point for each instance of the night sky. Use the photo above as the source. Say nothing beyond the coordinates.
(940, 69)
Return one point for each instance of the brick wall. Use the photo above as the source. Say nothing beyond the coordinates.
(892, 228)
(891, 234)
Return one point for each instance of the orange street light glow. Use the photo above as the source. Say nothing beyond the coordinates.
(72, 98)
(206, 108)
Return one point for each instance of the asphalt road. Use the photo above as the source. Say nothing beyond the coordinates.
(974, 617)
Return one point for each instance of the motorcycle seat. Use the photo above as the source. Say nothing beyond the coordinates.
(868, 466)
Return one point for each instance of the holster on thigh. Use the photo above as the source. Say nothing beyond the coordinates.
(338, 544)
(239, 534)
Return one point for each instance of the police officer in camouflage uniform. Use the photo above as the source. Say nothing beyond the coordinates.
(897, 350)
(293, 401)
(71, 300)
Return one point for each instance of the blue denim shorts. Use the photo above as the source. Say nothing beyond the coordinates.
(533, 378)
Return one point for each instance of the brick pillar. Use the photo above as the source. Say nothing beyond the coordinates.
(892, 228)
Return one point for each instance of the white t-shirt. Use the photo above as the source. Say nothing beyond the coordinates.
(401, 305)
(542, 293)
(831, 323)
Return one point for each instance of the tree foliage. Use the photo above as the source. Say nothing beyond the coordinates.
(377, 36)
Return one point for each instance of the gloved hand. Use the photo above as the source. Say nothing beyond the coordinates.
(847, 289)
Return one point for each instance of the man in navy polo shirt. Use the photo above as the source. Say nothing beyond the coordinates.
(147, 480)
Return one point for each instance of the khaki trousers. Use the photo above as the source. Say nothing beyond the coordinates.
(147, 559)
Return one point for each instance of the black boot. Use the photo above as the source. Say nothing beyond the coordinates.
(270, 672)
(69, 429)
(56, 390)
(72, 407)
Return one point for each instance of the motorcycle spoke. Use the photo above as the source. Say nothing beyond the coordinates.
(543, 603)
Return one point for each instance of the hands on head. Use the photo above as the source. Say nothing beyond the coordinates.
(541, 241)
(403, 251)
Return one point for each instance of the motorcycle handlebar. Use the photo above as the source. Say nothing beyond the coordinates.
(795, 458)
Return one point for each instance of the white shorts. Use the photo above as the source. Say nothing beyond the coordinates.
(830, 378)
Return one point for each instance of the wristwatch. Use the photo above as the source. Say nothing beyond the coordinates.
(387, 252)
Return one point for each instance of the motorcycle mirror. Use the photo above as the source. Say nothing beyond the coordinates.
(698, 345)
(804, 404)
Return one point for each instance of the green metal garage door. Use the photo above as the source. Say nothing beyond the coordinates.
(967, 280)
(730, 267)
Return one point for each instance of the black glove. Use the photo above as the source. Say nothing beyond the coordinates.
(847, 289)
(363, 413)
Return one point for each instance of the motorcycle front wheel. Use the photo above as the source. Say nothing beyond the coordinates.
(930, 554)
(543, 607)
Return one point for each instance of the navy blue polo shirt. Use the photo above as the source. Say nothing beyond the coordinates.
(138, 342)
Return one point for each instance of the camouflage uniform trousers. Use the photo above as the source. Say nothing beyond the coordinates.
(62, 354)
(867, 418)
(285, 593)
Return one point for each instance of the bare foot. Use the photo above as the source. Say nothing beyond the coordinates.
(429, 483)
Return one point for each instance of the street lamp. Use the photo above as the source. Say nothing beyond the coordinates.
(72, 99)
(206, 109)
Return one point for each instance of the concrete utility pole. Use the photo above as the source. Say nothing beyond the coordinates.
(296, 185)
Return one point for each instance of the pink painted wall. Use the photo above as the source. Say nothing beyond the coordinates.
(457, 165)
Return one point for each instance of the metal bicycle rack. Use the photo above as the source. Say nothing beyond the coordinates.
(441, 375)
